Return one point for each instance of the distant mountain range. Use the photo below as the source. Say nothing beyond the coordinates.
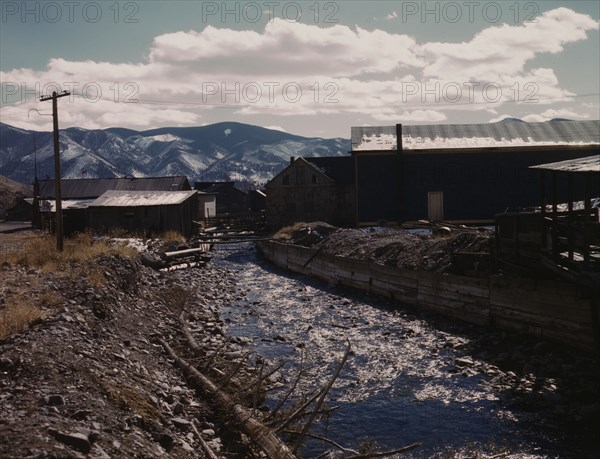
(249, 155)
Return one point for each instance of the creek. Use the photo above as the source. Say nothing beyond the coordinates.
(411, 376)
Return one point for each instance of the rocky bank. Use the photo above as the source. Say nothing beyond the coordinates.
(90, 379)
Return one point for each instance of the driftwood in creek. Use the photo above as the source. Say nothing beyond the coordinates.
(260, 434)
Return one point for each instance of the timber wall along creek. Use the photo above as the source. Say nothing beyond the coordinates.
(554, 311)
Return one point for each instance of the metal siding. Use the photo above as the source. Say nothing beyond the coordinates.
(475, 186)
(378, 184)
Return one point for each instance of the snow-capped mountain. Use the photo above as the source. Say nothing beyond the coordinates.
(224, 151)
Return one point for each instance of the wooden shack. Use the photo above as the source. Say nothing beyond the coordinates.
(77, 194)
(147, 212)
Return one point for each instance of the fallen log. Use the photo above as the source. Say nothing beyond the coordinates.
(186, 252)
(260, 434)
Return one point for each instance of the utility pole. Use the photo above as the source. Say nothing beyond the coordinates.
(57, 191)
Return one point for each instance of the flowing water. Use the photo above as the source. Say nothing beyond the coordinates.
(401, 383)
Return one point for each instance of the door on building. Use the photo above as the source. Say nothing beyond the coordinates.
(435, 205)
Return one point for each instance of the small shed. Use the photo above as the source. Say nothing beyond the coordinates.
(145, 211)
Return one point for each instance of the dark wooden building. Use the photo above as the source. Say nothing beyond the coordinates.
(230, 199)
(257, 200)
(144, 211)
(459, 173)
(78, 194)
(562, 236)
(312, 189)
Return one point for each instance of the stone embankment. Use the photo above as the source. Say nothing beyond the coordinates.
(90, 379)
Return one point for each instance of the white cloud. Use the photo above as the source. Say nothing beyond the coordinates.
(552, 113)
(285, 48)
(294, 69)
(502, 51)
(549, 114)
(392, 15)
(415, 116)
(275, 128)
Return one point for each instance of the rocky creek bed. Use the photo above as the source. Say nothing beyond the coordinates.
(464, 391)
(92, 380)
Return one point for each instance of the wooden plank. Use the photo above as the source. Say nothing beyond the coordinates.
(544, 309)
(400, 294)
(542, 322)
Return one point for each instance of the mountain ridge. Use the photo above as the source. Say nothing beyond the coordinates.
(247, 154)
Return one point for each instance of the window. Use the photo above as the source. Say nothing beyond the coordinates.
(286, 180)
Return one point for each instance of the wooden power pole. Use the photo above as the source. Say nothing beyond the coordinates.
(57, 190)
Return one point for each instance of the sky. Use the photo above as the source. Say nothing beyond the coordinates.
(312, 68)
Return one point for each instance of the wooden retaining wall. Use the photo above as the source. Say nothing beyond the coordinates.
(555, 311)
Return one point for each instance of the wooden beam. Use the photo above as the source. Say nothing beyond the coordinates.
(554, 229)
(543, 207)
(571, 236)
(588, 219)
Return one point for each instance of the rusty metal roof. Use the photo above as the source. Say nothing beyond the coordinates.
(587, 164)
(118, 198)
(95, 187)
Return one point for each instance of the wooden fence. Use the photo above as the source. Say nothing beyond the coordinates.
(551, 310)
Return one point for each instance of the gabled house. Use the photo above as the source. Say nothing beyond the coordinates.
(312, 189)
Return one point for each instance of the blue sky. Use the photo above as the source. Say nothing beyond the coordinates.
(306, 67)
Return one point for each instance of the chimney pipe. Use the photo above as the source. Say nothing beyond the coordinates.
(292, 159)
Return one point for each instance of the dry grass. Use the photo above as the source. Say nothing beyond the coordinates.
(286, 232)
(16, 314)
(128, 397)
(172, 237)
(39, 251)
(50, 300)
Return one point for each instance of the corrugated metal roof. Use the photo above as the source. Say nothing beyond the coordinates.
(67, 204)
(117, 198)
(485, 135)
(587, 164)
(95, 187)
